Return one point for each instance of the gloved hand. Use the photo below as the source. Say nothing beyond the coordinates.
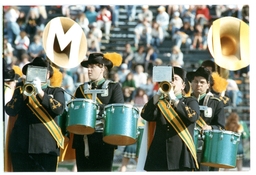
(160, 91)
(172, 96)
(37, 84)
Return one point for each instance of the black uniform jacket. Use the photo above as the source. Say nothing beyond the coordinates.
(217, 119)
(29, 134)
(167, 150)
(115, 95)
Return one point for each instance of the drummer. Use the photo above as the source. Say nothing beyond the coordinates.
(92, 154)
(211, 108)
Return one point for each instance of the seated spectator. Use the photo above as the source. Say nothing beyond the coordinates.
(197, 42)
(139, 57)
(140, 76)
(145, 14)
(91, 14)
(97, 33)
(150, 58)
(25, 59)
(162, 18)
(157, 35)
(142, 33)
(92, 48)
(183, 36)
(12, 28)
(36, 48)
(7, 51)
(22, 43)
(123, 72)
(127, 95)
(129, 83)
(177, 56)
(149, 87)
(202, 15)
(104, 20)
(175, 23)
(128, 55)
(140, 98)
(83, 22)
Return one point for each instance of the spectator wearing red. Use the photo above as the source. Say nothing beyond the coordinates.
(104, 20)
(202, 15)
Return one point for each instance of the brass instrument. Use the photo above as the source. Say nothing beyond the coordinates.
(29, 89)
(32, 72)
(64, 42)
(166, 86)
(228, 43)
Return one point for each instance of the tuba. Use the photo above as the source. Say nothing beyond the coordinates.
(228, 43)
(64, 42)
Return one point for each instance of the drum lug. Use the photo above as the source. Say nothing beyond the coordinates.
(72, 105)
(112, 110)
(221, 136)
(210, 135)
(83, 105)
(123, 109)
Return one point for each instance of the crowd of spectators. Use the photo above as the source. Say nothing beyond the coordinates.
(183, 24)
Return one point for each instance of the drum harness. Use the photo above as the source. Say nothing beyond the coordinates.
(207, 113)
(99, 120)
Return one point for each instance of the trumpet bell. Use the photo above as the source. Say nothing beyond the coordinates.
(165, 86)
(29, 89)
(228, 43)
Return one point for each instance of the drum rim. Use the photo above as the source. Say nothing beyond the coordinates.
(223, 131)
(82, 99)
(122, 104)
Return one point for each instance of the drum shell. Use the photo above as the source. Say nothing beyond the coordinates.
(220, 149)
(82, 115)
(197, 135)
(120, 127)
(139, 139)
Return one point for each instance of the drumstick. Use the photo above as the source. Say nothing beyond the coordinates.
(68, 93)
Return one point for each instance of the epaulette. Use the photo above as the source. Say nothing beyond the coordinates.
(215, 98)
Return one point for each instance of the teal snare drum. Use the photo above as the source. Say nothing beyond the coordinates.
(82, 115)
(120, 127)
(139, 139)
(220, 148)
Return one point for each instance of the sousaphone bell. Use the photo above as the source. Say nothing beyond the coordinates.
(64, 42)
(228, 43)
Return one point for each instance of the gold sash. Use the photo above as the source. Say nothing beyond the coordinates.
(47, 120)
(173, 118)
(200, 122)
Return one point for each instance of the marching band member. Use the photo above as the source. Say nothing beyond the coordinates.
(36, 138)
(92, 153)
(174, 116)
(211, 107)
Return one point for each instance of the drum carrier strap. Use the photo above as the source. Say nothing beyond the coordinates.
(173, 118)
(200, 122)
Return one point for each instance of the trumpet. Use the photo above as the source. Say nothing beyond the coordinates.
(29, 89)
(166, 86)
